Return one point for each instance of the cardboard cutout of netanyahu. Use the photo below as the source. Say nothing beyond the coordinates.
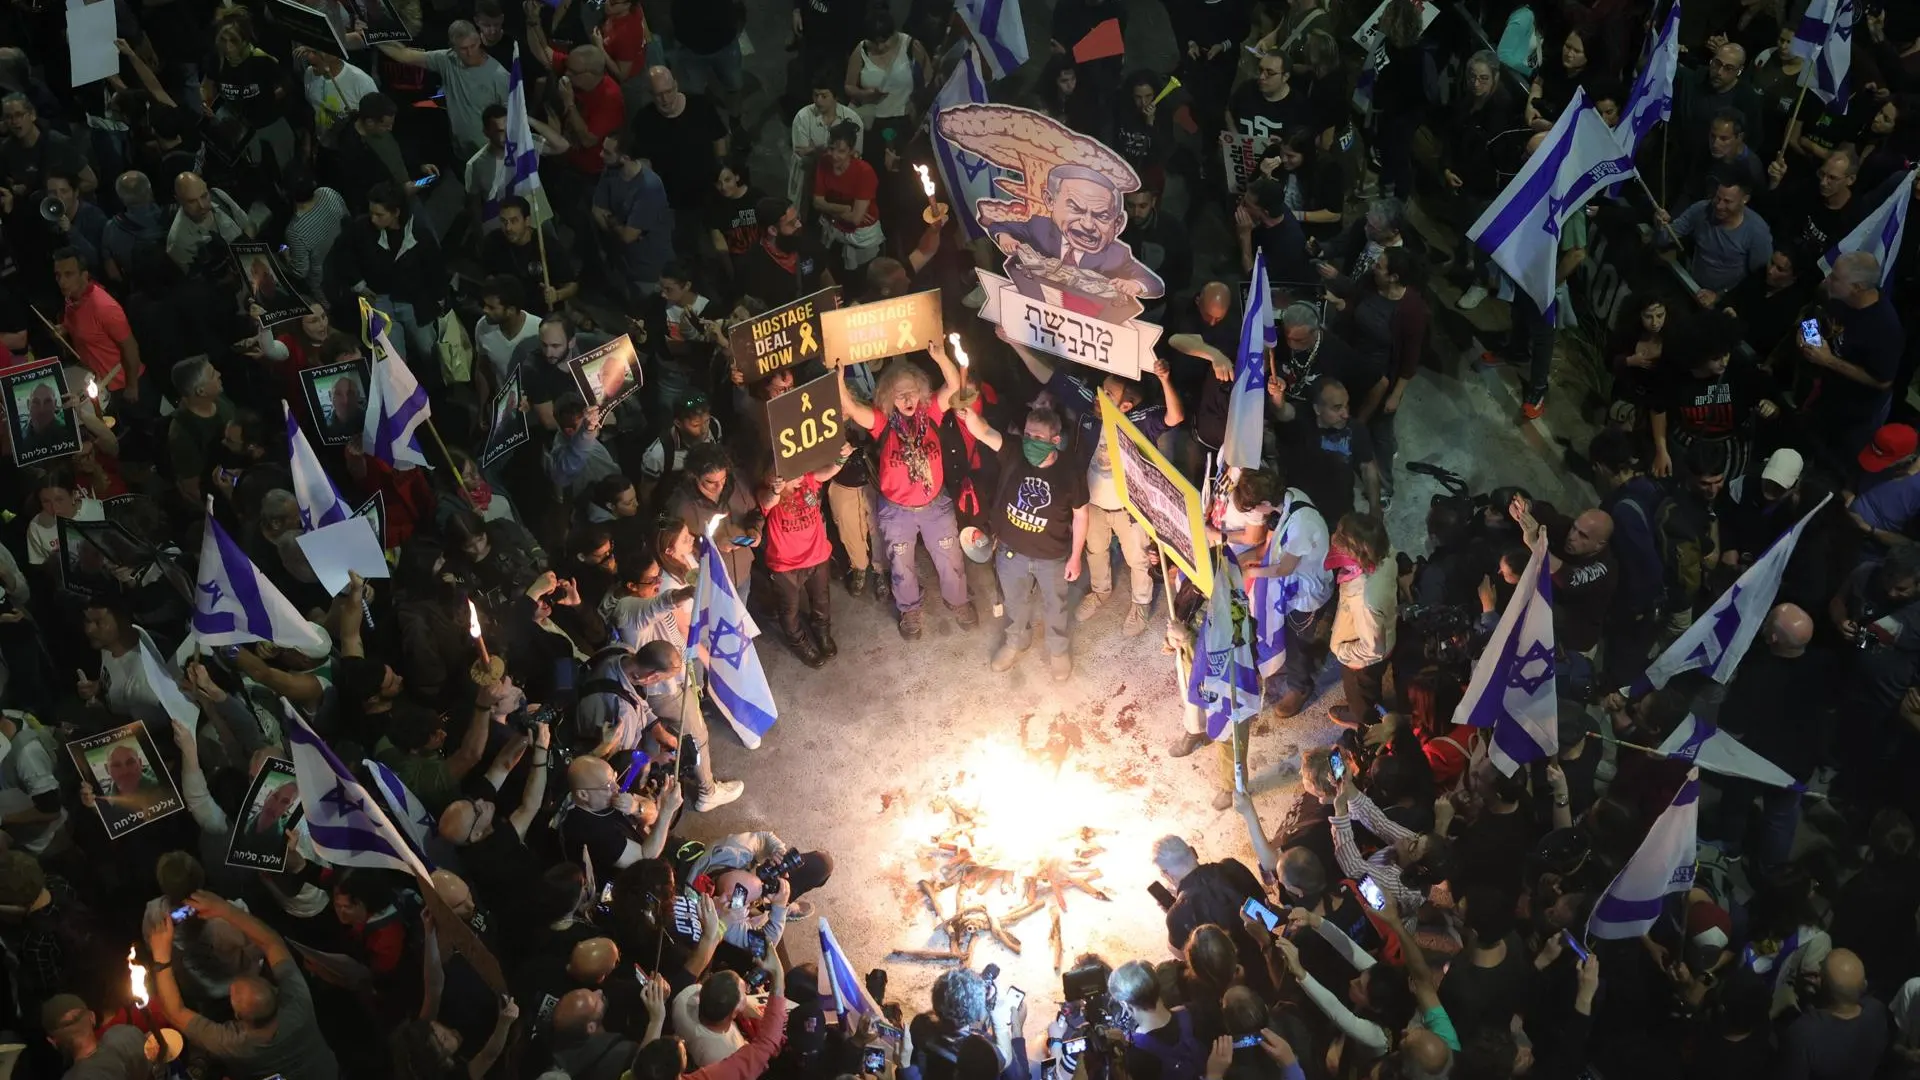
(1072, 288)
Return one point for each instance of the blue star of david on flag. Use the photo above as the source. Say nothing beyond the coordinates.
(721, 626)
(1513, 686)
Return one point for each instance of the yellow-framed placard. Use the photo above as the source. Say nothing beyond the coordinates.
(1164, 502)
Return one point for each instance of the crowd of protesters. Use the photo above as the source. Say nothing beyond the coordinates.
(1428, 913)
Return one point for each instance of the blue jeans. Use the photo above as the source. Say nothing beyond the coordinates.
(934, 523)
(1779, 819)
(1020, 577)
(1309, 640)
(697, 70)
(414, 340)
(1533, 336)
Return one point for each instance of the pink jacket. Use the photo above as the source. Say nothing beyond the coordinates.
(752, 1059)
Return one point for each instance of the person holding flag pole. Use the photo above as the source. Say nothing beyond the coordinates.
(1825, 40)
(397, 405)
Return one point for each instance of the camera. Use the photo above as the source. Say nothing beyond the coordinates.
(770, 873)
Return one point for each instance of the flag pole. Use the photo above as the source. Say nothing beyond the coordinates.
(1642, 181)
(451, 467)
(540, 238)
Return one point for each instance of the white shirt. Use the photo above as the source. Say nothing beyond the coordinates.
(497, 347)
(333, 98)
(704, 1045)
(810, 134)
(43, 539)
(1303, 532)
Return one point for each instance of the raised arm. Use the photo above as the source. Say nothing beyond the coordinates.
(950, 380)
(145, 74)
(851, 407)
(1263, 850)
(983, 431)
(1041, 370)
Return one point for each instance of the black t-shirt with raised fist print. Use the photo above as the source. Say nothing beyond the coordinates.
(1032, 511)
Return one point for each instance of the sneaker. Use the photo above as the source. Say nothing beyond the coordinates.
(1005, 656)
(966, 616)
(823, 633)
(720, 794)
(1472, 298)
(1534, 407)
(910, 624)
(1089, 604)
(1186, 745)
(1342, 716)
(804, 648)
(1136, 622)
(799, 909)
(856, 582)
(1223, 800)
(1061, 665)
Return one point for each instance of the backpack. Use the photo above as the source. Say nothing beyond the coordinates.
(1679, 560)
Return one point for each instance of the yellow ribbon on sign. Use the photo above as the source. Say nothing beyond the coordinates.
(806, 403)
(807, 344)
(905, 341)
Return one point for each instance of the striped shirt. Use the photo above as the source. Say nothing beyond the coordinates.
(310, 236)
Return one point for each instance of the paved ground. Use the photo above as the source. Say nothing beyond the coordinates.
(864, 744)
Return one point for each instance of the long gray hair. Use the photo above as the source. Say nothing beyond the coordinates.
(897, 376)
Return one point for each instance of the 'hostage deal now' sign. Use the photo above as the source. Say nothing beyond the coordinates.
(787, 335)
(890, 327)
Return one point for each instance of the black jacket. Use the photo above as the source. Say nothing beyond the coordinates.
(407, 266)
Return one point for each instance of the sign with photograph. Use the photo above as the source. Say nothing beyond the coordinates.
(269, 286)
(1069, 335)
(606, 375)
(131, 785)
(377, 21)
(891, 327)
(375, 510)
(789, 334)
(41, 425)
(100, 557)
(337, 399)
(309, 25)
(805, 427)
(1059, 227)
(1240, 157)
(272, 806)
(506, 424)
(1164, 502)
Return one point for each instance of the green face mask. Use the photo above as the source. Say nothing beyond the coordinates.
(1036, 450)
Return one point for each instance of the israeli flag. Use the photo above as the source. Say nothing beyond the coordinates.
(520, 170)
(1651, 101)
(968, 177)
(1664, 864)
(1710, 748)
(320, 501)
(1881, 233)
(1719, 637)
(416, 824)
(1225, 678)
(724, 632)
(1521, 230)
(849, 990)
(1513, 686)
(396, 406)
(234, 603)
(1272, 597)
(1825, 39)
(997, 32)
(344, 822)
(165, 683)
(1247, 403)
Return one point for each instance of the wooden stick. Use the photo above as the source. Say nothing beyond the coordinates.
(1671, 235)
(455, 469)
(60, 336)
(540, 238)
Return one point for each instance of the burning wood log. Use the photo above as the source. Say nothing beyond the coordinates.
(933, 900)
(1053, 939)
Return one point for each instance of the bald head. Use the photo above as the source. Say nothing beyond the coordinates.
(579, 1013)
(661, 81)
(1214, 300)
(1787, 630)
(254, 1000)
(1425, 1056)
(1844, 976)
(594, 959)
(453, 892)
(1589, 533)
(456, 823)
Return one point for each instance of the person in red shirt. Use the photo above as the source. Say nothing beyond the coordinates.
(846, 194)
(797, 557)
(904, 420)
(96, 328)
(591, 102)
(623, 38)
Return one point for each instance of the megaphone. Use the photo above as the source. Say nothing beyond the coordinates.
(52, 209)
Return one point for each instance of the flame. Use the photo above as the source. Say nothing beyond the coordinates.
(93, 389)
(137, 975)
(926, 179)
(1026, 812)
(959, 354)
(473, 620)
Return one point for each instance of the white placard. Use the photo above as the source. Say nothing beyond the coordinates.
(90, 33)
(334, 549)
(1069, 335)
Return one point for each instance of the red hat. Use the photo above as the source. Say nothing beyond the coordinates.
(1892, 443)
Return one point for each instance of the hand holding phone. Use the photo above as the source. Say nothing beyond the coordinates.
(1373, 894)
(1574, 944)
(1254, 909)
(1810, 333)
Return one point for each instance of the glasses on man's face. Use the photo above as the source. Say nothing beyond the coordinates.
(1718, 64)
(650, 581)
